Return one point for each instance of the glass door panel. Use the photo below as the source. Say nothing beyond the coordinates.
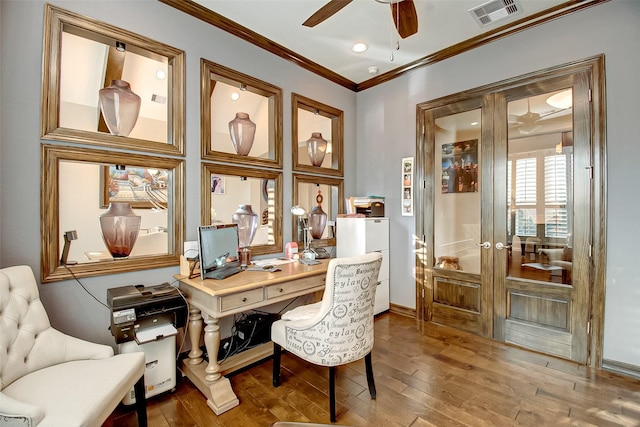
(540, 187)
(457, 200)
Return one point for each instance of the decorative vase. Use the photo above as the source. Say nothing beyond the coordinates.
(242, 131)
(120, 107)
(247, 222)
(120, 227)
(317, 218)
(316, 147)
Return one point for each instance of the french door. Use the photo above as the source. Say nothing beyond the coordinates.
(508, 213)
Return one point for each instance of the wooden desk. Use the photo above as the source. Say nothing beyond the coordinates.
(210, 300)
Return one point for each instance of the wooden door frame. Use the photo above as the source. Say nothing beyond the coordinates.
(595, 69)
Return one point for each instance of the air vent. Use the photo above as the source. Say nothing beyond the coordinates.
(493, 11)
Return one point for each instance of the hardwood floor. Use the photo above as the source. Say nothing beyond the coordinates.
(426, 375)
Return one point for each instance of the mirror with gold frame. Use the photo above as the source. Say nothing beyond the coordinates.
(225, 187)
(78, 185)
(84, 57)
(317, 137)
(305, 195)
(241, 118)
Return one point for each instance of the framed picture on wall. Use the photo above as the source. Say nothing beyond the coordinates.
(407, 186)
(217, 184)
(143, 188)
(460, 167)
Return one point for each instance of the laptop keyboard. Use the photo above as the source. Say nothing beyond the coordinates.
(223, 272)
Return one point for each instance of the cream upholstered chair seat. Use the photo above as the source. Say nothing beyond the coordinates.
(48, 378)
(337, 330)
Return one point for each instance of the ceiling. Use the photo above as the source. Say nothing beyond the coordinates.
(445, 28)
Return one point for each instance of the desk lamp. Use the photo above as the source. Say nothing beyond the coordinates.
(301, 213)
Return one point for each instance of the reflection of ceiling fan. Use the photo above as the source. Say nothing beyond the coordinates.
(528, 122)
(403, 12)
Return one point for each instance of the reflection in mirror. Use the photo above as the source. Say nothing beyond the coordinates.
(90, 56)
(305, 195)
(317, 137)
(241, 117)
(458, 139)
(225, 188)
(79, 186)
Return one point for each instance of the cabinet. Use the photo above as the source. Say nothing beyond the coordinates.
(357, 236)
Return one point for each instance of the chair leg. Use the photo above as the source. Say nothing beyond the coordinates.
(332, 393)
(370, 381)
(277, 351)
(141, 402)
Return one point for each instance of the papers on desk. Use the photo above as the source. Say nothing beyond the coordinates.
(155, 333)
(272, 261)
(545, 267)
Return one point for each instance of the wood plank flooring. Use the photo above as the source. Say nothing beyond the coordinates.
(426, 375)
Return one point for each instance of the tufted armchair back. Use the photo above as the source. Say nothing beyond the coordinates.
(340, 329)
(27, 340)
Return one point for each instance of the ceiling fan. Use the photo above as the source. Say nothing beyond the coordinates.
(529, 122)
(404, 15)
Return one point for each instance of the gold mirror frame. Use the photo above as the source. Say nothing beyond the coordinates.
(209, 169)
(51, 270)
(58, 21)
(322, 180)
(212, 73)
(299, 102)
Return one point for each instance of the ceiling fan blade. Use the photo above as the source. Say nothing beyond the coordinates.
(325, 12)
(405, 17)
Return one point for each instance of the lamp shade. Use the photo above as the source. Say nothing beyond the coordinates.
(316, 147)
(242, 131)
(317, 218)
(120, 107)
(120, 227)
(247, 222)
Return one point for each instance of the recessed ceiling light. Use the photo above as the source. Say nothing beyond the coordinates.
(160, 74)
(474, 123)
(359, 47)
(235, 96)
(373, 70)
(562, 99)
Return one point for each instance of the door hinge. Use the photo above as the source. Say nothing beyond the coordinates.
(590, 167)
(589, 328)
(424, 183)
(590, 98)
(423, 130)
(423, 293)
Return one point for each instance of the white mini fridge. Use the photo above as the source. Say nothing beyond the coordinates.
(160, 357)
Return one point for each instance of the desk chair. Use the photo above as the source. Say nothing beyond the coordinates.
(337, 330)
(48, 378)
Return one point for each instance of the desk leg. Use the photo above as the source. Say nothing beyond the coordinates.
(222, 398)
(195, 330)
(217, 389)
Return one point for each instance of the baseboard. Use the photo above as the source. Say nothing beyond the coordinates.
(402, 311)
(621, 368)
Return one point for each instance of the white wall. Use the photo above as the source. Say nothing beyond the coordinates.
(387, 117)
(21, 30)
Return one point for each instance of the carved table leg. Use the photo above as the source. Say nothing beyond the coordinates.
(222, 398)
(195, 330)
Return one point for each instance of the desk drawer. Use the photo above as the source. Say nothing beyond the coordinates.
(274, 291)
(229, 302)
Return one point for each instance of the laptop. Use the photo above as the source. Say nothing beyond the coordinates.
(218, 246)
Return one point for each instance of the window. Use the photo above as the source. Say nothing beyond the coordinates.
(529, 177)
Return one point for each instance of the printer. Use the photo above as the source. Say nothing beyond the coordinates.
(135, 309)
(146, 318)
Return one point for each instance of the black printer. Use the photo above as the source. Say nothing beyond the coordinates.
(140, 307)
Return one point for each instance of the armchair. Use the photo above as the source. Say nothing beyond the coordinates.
(337, 330)
(48, 378)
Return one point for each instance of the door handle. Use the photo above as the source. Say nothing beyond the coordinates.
(485, 245)
(500, 246)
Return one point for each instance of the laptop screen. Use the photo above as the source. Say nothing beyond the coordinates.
(218, 245)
